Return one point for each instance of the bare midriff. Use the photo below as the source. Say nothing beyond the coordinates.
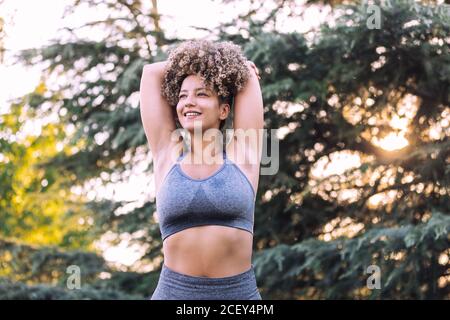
(209, 251)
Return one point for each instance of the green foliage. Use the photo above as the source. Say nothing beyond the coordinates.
(41, 264)
(22, 266)
(34, 207)
(338, 269)
(19, 291)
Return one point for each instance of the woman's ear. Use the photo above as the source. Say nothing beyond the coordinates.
(224, 111)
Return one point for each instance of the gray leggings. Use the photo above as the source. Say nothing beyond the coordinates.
(173, 285)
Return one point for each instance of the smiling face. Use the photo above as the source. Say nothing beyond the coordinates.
(195, 96)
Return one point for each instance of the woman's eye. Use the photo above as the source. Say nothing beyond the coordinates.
(200, 94)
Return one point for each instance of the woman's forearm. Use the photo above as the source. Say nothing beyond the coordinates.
(156, 68)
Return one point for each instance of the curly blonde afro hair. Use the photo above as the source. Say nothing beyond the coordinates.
(222, 65)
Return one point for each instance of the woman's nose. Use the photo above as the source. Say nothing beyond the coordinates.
(189, 101)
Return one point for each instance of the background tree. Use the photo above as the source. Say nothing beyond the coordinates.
(312, 240)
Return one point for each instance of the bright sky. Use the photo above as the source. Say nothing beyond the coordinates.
(19, 16)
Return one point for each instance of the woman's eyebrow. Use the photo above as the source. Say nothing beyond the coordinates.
(202, 88)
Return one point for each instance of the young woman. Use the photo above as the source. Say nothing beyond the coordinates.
(205, 198)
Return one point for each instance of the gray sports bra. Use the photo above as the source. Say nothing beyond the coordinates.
(225, 198)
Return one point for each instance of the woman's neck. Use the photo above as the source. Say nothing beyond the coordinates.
(207, 150)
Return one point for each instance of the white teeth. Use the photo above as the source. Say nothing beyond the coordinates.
(192, 114)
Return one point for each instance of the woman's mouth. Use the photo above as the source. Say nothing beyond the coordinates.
(192, 115)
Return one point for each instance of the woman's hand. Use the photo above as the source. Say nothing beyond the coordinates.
(253, 67)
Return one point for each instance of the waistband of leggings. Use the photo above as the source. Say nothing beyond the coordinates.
(166, 272)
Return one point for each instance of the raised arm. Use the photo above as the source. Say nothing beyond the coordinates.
(157, 115)
(249, 114)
